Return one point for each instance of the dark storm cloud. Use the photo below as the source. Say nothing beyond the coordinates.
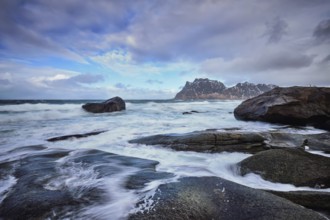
(282, 60)
(322, 31)
(276, 29)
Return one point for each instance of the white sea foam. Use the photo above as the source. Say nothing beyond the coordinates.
(5, 184)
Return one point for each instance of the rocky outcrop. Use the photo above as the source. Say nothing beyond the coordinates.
(292, 166)
(208, 141)
(111, 105)
(292, 105)
(215, 198)
(212, 89)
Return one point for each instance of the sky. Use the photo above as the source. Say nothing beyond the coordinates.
(148, 49)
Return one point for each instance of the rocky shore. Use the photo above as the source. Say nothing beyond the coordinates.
(54, 183)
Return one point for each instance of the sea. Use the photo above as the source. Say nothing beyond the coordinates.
(32, 122)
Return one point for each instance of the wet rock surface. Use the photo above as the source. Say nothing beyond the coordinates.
(111, 105)
(292, 105)
(234, 140)
(293, 166)
(57, 183)
(72, 136)
(319, 201)
(320, 142)
(208, 141)
(216, 198)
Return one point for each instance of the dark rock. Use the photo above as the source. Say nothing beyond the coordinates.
(319, 142)
(138, 180)
(215, 198)
(34, 196)
(212, 89)
(318, 201)
(232, 139)
(293, 166)
(189, 113)
(111, 105)
(67, 137)
(208, 141)
(292, 105)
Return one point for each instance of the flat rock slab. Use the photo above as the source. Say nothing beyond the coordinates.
(237, 141)
(208, 141)
(293, 166)
(72, 136)
(215, 198)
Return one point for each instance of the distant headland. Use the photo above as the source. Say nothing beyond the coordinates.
(213, 89)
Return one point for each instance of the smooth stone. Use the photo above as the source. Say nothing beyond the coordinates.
(292, 166)
(215, 198)
(291, 105)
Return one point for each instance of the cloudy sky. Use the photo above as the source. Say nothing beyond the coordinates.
(148, 49)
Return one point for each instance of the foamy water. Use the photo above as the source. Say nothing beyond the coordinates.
(31, 124)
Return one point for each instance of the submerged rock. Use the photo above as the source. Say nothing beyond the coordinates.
(67, 137)
(292, 105)
(48, 188)
(216, 198)
(111, 105)
(208, 141)
(292, 166)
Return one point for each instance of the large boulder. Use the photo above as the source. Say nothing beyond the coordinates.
(292, 166)
(292, 105)
(215, 198)
(111, 105)
(208, 141)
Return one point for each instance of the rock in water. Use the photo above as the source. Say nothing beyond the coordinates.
(215, 198)
(212, 89)
(208, 141)
(111, 105)
(292, 166)
(292, 105)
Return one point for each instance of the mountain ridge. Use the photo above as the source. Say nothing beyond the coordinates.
(204, 88)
